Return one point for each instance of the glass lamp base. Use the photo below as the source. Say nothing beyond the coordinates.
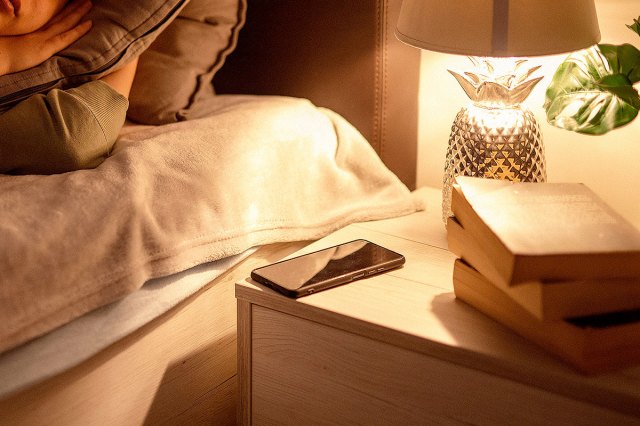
(495, 143)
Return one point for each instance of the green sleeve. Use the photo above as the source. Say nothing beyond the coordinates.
(61, 131)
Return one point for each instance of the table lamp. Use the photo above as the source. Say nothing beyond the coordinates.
(495, 136)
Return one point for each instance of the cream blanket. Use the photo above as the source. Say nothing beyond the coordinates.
(258, 170)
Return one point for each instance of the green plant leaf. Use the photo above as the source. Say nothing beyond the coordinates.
(623, 59)
(620, 86)
(592, 92)
(635, 26)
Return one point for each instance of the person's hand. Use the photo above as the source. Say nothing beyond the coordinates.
(21, 52)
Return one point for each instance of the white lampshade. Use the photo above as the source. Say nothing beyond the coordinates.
(499, 28)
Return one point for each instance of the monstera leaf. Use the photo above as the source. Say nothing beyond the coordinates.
(592, 91)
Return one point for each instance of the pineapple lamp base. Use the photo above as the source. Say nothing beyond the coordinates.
(495, 137)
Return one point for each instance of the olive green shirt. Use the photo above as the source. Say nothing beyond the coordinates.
(62, 130)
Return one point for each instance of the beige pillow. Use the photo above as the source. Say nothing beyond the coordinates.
(121, 31)
(177, 69)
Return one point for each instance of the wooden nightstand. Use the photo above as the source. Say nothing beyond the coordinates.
(398, 348)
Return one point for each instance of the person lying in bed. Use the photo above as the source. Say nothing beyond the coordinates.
(62, 130)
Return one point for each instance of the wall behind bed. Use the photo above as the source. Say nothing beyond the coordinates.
(340, 54)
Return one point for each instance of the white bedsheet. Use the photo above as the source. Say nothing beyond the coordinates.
(257, 170)
(78, 340)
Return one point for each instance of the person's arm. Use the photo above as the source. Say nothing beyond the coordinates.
(122, 79)
(61, 131)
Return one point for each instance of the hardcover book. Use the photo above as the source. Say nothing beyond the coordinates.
(545, 231)
(544, 299)
(592, 344)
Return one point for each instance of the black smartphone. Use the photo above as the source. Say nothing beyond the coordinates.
(330, 267)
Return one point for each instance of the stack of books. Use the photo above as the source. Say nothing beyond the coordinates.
(554, 263)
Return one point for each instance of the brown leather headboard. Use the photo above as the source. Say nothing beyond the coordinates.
(341, 55)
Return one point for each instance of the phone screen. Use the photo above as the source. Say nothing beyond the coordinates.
(327, 268)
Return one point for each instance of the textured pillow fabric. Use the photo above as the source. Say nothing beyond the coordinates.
(121, 31)
(177, 69)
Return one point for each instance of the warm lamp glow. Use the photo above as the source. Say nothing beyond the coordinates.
(495, 137)
(494, 120)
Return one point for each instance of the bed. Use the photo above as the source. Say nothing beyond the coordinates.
(313, 71)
